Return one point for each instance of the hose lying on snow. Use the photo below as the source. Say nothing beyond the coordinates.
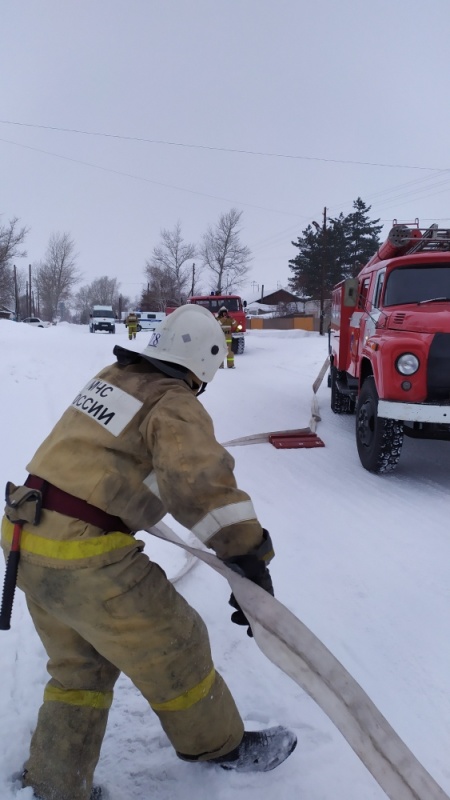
(289, 644)
(260, 438)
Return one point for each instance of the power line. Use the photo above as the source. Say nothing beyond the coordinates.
(276, 238)
(218, 149)
(147, 180)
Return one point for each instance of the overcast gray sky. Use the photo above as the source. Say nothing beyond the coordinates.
(326, 100)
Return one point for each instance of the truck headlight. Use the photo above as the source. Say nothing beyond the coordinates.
(239, 328)
(407, 364)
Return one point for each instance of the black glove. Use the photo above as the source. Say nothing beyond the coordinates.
(253, 566)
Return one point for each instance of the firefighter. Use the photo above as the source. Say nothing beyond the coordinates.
(132, 322)
(135, 444)
(228, 325)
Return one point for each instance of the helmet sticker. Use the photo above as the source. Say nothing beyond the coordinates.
(186, 337)
(154, 340)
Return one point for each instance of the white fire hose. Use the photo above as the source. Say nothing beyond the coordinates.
(289, 644)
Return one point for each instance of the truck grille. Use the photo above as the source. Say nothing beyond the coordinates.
(438, 370)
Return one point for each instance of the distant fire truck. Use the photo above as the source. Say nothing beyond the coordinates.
(235, 306)
(390, 345)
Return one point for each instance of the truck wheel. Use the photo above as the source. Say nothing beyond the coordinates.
(379, 441)
(138, 328)
(240, 346)
(340, 403)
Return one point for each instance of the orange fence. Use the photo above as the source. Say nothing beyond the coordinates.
(304, 323)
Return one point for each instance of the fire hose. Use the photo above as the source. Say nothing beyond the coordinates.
(292, 647)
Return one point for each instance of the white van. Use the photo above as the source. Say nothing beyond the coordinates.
(149, 320)
(102, 319)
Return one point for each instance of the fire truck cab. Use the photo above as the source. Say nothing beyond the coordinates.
(236, 308)
(389, 345)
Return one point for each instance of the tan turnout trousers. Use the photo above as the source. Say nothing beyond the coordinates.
(143, 628)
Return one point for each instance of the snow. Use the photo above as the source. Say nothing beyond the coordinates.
(361, 559)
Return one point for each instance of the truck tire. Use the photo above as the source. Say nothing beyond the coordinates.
(241, 346)
(340, 403)
(379, 441)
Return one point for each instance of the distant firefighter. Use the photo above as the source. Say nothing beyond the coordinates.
(132, 322)
(228, 325)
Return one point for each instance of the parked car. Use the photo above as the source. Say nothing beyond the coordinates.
(38, 323)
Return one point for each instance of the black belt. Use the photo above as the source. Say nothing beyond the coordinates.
(54, 499)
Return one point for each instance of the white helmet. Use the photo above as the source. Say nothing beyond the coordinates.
(192, 338)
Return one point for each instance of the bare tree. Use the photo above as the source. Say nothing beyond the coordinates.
(224, 255)
(102, 291)
(161, 290)
(11, 241)
(22, 300)
(83, 305)
(167, 267)
(57, 274)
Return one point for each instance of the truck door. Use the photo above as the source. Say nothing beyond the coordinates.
(357, 324)
(373, 311)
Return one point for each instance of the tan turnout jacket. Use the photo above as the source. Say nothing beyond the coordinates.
(139, 444)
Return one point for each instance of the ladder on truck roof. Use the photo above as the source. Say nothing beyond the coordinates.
(433, 239)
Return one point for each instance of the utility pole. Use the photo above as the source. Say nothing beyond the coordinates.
(193, 280)
(323, 271)
(323, 263)
(16, 295)
(30, 312)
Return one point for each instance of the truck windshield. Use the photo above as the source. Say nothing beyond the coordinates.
(213, 304)
(103, 313)
(417, 284)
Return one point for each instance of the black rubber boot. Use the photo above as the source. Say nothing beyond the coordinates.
(259, 751)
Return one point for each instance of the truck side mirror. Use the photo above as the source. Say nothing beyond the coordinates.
(245, 303)
(350, 292)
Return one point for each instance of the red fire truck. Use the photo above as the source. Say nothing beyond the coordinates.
(390, 345)
(235, 306)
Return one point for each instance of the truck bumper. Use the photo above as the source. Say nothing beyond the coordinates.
(414, 412)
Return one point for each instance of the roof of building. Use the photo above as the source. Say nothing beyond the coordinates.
(280, 296)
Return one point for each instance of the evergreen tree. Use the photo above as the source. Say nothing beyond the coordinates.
(361, 236)
(333, 252)
(307, 265)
